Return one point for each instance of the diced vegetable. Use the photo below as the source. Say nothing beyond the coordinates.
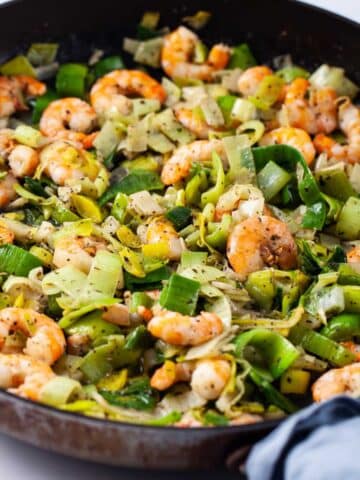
(18, 66)
(289, 74)
(243, 110)
(138, 395)
(199, 20)
(180, 295)
(149, 52)
(42, 53)
(58, 391)
(334, 77)
(267, 92)
(352, 298)
(273, 396)
(92, 326)
(212, 195)
(136, 181)
(151, 281)
(87, 208)
(180, 217)
(321, 346)
(348, 225)
(28, 136)
(242, 57)
(295, 381)
(342, 327)
(278, 353)
(17, 261)
(108, 64)
(71, 80)
(272, 179)
(334, 181)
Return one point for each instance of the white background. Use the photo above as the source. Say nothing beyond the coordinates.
(18, 461)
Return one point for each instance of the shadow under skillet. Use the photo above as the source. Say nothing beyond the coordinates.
(19, 460)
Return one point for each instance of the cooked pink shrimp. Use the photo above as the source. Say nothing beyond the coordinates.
(161, 230)
(112, 90)
(250, 79)
(68, 119)
(314, 115)
(178, 166)
(63, 162)
(177, 53)
(193, 122)
(259, 241)
(7, 191)
(349, 121)
(45, 339)
(178, 329)
(170, 373)
(77, 251)
(12, 90)
(23, 375)
(23, 161)
(210, 378)
(295, 137)
(207, 377)
(338, 381)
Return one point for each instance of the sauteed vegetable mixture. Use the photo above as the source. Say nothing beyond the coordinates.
(179, 231)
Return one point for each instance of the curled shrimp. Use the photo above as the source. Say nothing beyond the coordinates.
(162, 231)
(336, 382)
(45, 339)
(295, 137)
(23, 161)
(349, 122)
(193, 122)
(207, 377)
(177, 329)
(64, 162)
(12, 90)
(77, 252)
(7, 191)
(177, 53)
(111, 90)
(23, 375)
(314, 115)
(250, 80)
(179, 164)
(68, 119)
(259, 241)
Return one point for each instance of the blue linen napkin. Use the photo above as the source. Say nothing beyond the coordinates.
(320, 442)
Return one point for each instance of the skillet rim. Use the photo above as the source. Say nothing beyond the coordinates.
(267, 425)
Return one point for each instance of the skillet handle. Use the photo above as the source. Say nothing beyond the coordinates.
(235, 460)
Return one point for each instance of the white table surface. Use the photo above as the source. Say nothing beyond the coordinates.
(19, 461)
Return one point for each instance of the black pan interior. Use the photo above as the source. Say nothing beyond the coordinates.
(271, 27)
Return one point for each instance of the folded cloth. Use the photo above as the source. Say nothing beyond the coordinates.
(318, 443)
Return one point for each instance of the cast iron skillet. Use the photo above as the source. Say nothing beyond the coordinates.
(274, 27)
